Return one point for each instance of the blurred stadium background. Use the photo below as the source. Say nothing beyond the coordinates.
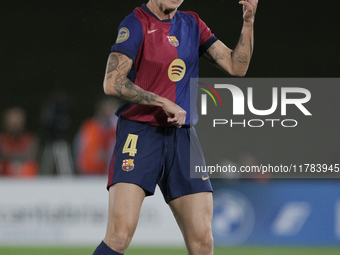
(63, 46)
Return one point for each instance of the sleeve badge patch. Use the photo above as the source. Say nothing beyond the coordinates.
(123, 35)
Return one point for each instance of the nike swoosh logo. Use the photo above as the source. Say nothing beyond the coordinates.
(151, 31)
(205, 178)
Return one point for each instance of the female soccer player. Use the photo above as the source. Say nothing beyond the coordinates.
(150, 66)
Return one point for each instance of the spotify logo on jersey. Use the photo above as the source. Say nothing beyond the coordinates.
(176, 70)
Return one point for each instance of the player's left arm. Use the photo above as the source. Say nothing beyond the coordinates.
(236, 62)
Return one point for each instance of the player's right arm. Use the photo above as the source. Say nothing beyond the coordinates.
(118, 85)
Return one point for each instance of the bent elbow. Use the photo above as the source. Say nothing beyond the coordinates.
(105, 88)
(108, 90)
(239, 72)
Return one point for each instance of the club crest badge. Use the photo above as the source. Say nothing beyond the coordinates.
(128, 165)
(173, 40)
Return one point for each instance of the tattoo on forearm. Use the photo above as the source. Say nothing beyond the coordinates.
(241, 40)
(125, 88)
(134, 94)
(242, 58)
(129, 84)
(146, 97)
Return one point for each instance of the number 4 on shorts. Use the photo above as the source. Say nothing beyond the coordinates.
(130, 145)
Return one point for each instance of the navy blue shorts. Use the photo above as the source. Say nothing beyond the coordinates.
(148, 155)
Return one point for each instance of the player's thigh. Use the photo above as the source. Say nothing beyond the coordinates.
(193, 214)
(125, 201)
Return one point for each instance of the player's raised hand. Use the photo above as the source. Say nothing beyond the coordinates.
(249, 9)
(176, 115)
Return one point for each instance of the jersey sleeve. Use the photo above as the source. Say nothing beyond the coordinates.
(207, 38)
(130, 37)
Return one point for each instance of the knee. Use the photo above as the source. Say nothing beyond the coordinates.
(118, 241)
(207, 245)
(203, 245)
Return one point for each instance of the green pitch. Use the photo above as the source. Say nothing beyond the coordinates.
(170, 251)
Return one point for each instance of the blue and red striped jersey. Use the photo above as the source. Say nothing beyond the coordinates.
(165, 55)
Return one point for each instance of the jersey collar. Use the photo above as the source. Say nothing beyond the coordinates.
(145, 8)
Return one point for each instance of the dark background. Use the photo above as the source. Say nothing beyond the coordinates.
(48, 45)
